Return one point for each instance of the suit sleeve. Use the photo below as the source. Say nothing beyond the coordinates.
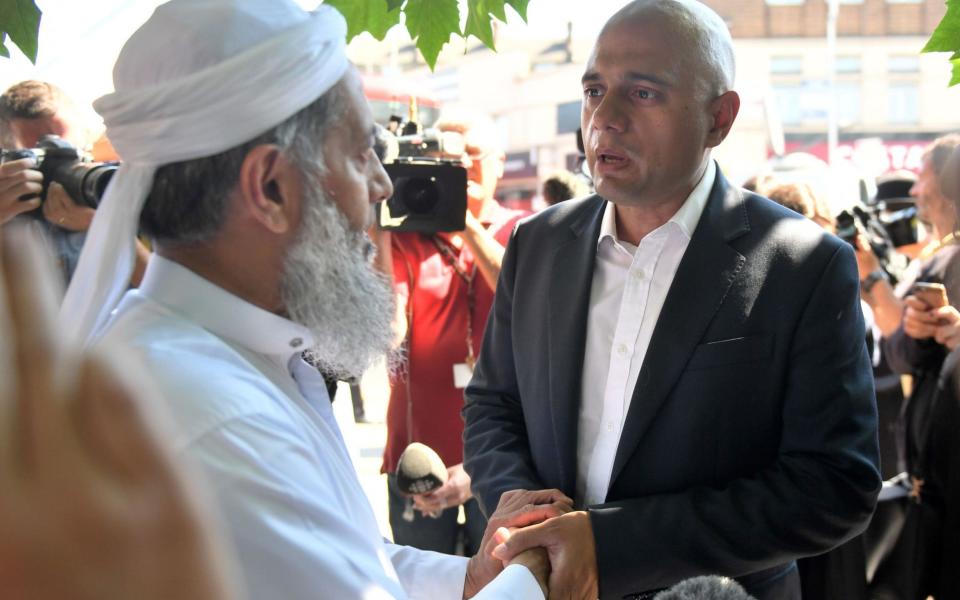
(819, 492)
(496, 447)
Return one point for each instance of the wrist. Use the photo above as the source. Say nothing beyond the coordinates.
(473, 581)
(876, 276)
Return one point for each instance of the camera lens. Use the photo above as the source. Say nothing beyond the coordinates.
(419, 194)
(95, 183)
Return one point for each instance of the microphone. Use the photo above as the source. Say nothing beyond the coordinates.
(705, 588)
(420, 470)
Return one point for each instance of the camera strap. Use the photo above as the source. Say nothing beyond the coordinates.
(947, 240)
(468, 278)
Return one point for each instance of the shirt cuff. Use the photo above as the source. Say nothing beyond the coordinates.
(516, 582)
(427, 575)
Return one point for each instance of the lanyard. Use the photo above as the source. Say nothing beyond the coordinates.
(468, 278)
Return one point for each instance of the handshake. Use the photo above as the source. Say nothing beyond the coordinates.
(536, 529)
(541, 531)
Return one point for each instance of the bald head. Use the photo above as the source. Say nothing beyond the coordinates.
(699, 33)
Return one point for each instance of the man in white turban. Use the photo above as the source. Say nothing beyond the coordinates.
(248, 159)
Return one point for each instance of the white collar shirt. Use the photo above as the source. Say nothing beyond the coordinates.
(258, 422)
(630, 284)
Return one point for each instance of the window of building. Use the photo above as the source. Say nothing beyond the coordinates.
(903, 103)
(848, 103)
(904, 63)
(848, 64)
(786, 65)
(788, 103)
(568, 117)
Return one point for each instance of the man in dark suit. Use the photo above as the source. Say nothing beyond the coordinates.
(684, 358)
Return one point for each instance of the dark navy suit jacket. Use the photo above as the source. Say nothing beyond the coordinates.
(751, 435)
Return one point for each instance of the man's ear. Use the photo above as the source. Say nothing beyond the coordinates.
(501, 164)
(269, 188)
(723, 111)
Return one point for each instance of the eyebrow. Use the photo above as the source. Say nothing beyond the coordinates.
(594, 77)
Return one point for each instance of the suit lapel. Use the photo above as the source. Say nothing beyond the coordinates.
(569, 300)
(699, 287)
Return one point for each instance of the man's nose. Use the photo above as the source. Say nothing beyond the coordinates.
(381, 187)
(609, 114)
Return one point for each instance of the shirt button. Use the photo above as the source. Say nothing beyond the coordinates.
(609, 425)
(638, 275)
(296, 342)
(622, 349)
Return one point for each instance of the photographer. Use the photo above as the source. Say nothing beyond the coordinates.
(937, 212)
(915, 346)
(444, 286)
(29, 111)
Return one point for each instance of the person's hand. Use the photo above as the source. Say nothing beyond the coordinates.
(454, 492)
(948, 327)
(517, 508)
(18, 178)
(61, 210)
(867, 261)
(91, 505)
(568, 540)
(535, 559)
(919, 322)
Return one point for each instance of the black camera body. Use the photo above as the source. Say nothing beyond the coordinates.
(61, 162)
(429, 184)
(885, 230)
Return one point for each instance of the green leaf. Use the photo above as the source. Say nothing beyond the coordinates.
(479, 24)
(20, 20)
(520, 6)
(498, 9)
(955, 78)
(430, 23)
(373, 16)
(393, 4)
(946, 37)
(4, 51)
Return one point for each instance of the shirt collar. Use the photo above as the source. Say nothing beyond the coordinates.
(221, 313)
(686, 218)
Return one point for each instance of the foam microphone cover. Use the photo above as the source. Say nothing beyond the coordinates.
(709, 587)
(420, 470)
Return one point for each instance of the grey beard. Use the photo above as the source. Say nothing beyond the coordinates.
(330, 286)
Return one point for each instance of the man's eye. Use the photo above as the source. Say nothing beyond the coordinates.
(591, 92)
(644, 94)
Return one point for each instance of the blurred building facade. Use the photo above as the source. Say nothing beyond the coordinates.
(890, 100)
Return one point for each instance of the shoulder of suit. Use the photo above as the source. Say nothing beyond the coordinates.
(767, 218)
(564, 214)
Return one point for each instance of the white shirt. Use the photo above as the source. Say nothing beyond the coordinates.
(257, 420)
(629, 286)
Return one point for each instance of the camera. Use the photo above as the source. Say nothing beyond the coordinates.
(885, 230)
(61, 162)
(429, 181)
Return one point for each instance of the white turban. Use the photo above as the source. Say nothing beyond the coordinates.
(198, 78)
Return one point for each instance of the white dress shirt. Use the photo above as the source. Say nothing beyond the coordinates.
(257, 420)
(629, 286)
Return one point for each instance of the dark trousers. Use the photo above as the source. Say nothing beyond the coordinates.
(442, 534)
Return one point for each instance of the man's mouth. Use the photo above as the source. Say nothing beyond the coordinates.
(611, 158)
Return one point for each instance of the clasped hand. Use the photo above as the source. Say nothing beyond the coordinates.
(563, 536)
